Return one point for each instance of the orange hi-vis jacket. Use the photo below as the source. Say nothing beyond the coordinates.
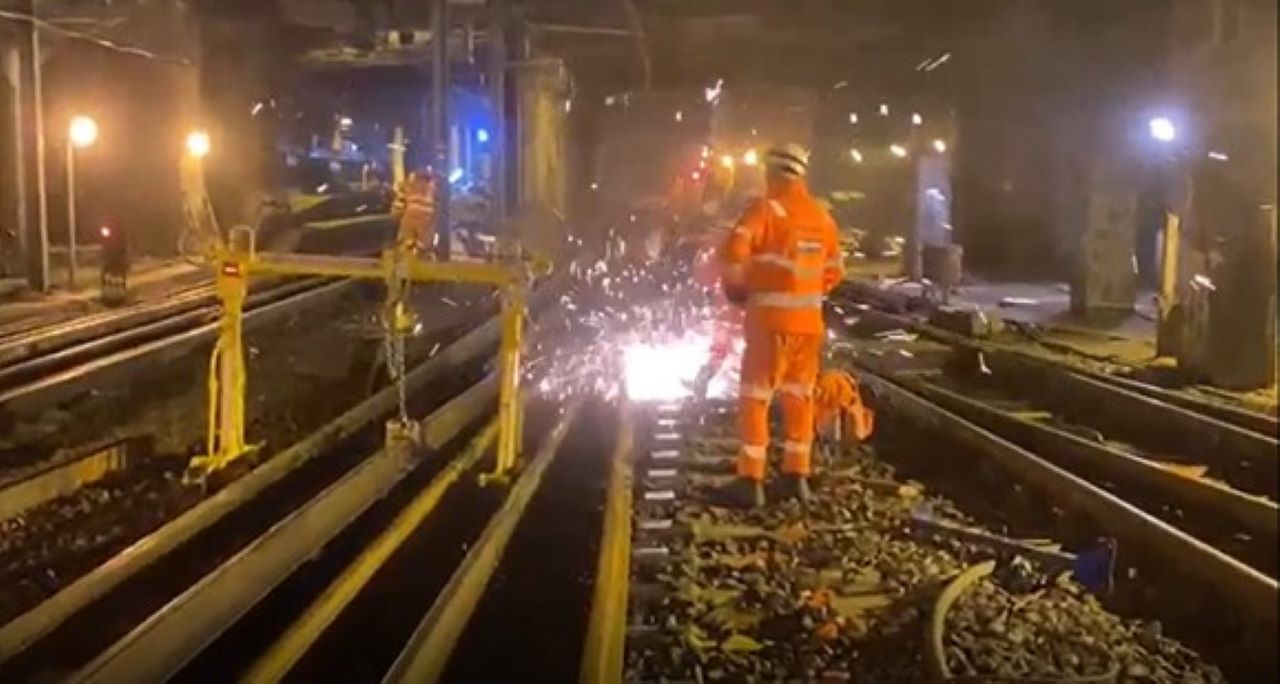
(785, 252)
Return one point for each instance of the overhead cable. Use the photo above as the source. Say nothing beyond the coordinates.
(100, 41)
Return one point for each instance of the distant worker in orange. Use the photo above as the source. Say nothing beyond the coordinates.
(415, 204)
(780, 262)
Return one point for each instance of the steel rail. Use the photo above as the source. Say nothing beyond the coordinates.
(426, 655)
(1252, 458)
(302, 635)
(1259, 423)
(29, 341)
(118, 366)
(1254, 514)
(36, 338)
(1250, 461)
(160, 646)
(604, 653)
(145, 332)
(24, 630)
(1250, 593)
(1253, 421)
(62, 475)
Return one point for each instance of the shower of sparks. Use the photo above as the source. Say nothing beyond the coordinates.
(625, 330)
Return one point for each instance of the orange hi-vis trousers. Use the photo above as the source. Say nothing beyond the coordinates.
(787, 364)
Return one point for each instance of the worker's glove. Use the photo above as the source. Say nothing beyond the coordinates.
(736, 294)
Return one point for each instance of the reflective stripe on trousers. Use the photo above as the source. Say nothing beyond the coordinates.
(798, 389)
(796, 457)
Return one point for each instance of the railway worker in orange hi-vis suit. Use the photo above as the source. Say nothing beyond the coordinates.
(781, 260)
(415, 203)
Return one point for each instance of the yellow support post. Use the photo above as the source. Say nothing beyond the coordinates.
(225, 441)
(509, 418)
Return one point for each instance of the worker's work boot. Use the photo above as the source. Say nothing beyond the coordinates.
(795, 487)
(741, 493)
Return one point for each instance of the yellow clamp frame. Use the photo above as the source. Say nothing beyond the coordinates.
(236, 262)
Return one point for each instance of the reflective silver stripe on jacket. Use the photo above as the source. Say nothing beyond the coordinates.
(809, 245)
(754, 452)
(783, 300)
(759, 392)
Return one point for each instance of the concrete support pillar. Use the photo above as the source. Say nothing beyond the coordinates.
(1105, 279)
(498, 102)
(1229, 299)
(13, 254)
(541, 87)
(39, 256)
(440, 134)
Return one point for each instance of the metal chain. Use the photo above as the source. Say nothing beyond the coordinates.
(396, 369)
(394, 339)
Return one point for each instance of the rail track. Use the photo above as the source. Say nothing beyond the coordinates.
(924, 555)
(258, 580)
(22, 339)
(43, 367)
(896, 309)
(1211, 478)
(1189, 492)
(32, 474)
(56, 365)
(1200, 491)
(252, 533)
(865, 583)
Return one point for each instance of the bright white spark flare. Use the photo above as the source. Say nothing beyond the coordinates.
(666, 371)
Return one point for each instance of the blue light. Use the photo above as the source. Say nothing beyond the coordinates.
(482, 135)
(455, 176)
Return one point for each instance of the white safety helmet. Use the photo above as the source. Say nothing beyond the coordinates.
(789, 160)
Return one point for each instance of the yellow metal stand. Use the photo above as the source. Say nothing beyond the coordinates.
(237, 261)
(509, 404)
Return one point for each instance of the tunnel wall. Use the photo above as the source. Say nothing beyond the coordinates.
(1044, 92)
